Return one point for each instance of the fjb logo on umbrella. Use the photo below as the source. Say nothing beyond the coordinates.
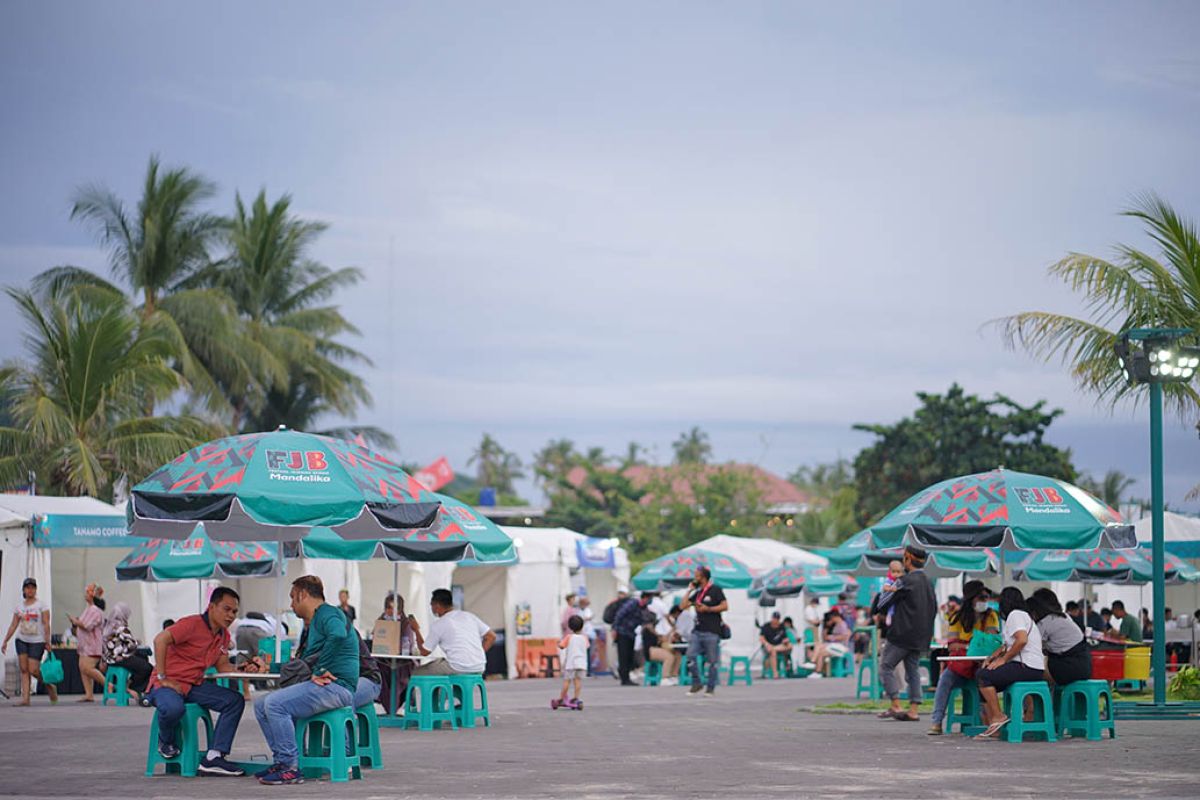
(308, 466)
(1042, 500)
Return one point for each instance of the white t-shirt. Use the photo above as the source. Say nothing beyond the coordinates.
(589, 630)
(575, 654)
(1031, 654)
(685, 623)
(812, 616)
(460, 635)
(29, 625)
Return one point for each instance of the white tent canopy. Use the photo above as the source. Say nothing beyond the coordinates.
(1181, 534)
(63, 571)
(547, 569)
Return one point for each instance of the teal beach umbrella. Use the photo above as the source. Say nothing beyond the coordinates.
(855, 556)
(679, 568)
(1006, 510)
(790, 580)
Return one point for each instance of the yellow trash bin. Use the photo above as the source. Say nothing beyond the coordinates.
(1137, 663)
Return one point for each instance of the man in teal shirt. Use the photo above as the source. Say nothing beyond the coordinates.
(332, 652)
(1130, 630)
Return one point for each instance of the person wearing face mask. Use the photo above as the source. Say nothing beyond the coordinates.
(971, 616)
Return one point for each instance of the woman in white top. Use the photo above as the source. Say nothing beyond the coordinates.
(31, 624)
(1018, 660)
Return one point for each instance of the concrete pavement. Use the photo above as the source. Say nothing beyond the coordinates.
(750, 742)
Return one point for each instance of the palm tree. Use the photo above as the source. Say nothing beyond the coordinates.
(153, 251)
(1111, 489)
(692, 447)
(1134, 290)
(280, 294)
(497, 467)
(77, 404)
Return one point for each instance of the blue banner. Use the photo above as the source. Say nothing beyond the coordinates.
(75, 530)
(595, 553)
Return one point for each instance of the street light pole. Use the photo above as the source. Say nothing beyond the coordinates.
(1156, 356)
(1159, 653)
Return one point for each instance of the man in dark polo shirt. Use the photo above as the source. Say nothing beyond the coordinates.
(709, 601)
(182, 654)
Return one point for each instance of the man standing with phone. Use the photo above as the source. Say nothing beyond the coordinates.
(709, 601)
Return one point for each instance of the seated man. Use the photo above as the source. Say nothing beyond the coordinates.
(463, 637)
(774, 640)
(331, 649)
(182, 654)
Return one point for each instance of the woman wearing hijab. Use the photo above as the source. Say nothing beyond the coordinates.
(120, 650)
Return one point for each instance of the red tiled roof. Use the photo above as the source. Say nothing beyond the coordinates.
(775, 490)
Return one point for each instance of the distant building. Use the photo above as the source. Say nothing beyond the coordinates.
(780, 497)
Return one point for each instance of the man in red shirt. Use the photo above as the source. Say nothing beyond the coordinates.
(182, 654)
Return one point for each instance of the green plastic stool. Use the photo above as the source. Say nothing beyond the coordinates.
(744, 663)
(969, 717)
(323, 739)
(116, 686)
(430, 702)
(187, 738)
(783, 664)
(864, 687)
(1043, 723)
(685, 674)
(842, 667)
(1079, 710)
(652, 673)
(369, 753)
(462, 693)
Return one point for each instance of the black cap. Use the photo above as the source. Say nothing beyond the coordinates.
(29, 582)
(776, 615)
(955, 599)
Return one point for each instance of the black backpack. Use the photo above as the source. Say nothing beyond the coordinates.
(610, 610)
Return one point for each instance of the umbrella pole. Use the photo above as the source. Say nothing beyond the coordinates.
(395, 588)
(278, 603)
(199, 595)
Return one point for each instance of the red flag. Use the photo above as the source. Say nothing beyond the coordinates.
(436, 475)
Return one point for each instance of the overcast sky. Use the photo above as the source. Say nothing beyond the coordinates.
(613, 222)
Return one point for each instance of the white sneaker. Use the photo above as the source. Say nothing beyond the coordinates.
(816, 675)
(809, 665)
(670, 681)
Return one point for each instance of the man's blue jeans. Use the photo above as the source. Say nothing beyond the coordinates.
(947, 681)
(708, 645)
(226, 702)
(366, 692)
(277, 714)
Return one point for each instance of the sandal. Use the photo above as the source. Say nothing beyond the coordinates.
(902, 716)
(993, 730)
(889, 714)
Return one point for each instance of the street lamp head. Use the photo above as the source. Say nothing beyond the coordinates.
(1155, 355)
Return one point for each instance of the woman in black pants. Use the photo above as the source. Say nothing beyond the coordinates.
(120, 650)
(1018, 660)
(1067, 658)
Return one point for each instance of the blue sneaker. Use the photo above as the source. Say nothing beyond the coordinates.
(167, 750)
(280, 775)
(220, 766)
